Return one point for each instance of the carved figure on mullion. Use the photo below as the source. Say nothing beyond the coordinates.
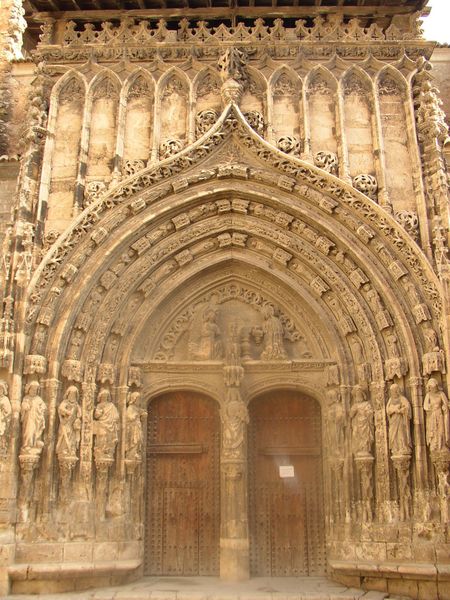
(398, 410)
(5, 417)
(437, 410)
(32, 416)
(106, 426)
(69, 433)
(234, 415)
(273, 335)
(362, 422)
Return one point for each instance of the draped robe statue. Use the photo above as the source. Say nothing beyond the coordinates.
(398, 410)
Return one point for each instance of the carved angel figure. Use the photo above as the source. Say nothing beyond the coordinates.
(32, 416)
(436, 407)
(106, 426)
(361, 417)
(273, 336)
(133, 440)
(398, 410)
(234, 418)
(5, 413)
(69, 432)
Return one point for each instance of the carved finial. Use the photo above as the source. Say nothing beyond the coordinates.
(232, 68)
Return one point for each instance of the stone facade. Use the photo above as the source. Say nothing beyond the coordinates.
(226, 211)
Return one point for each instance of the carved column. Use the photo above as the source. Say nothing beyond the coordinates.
(420, 469)
(83, 493)
(381, 450)
(441, 462)
(342, 152)
(379, 154)
(401, 465)
(234, 542)
(51, 387)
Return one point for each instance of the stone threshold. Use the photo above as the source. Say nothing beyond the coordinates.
(211, 588)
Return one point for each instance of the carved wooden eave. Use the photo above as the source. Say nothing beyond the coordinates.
(204, 9)
(171, 195)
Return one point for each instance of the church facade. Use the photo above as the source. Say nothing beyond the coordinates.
(225, 296)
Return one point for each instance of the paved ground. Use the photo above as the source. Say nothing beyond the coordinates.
(211, 588)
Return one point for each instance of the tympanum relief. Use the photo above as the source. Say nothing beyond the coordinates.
(262, 330)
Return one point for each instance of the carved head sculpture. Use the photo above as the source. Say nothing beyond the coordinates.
(394, 391)
(432, 385)
(134, 398)
(71, 394)
(358, 394)
(104, 395)
(3, 388)
(32, 388)
(333, 395)
(268, 311)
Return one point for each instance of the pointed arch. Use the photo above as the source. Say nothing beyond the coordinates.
(137, 125)
(322, 117)
(206, 93)
(101, 125)
(360, 129)
(62, 149)
(285, 110)
(318, 73)
(173, 98)
(396, 125)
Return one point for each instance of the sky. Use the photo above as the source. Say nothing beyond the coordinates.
(437, 25)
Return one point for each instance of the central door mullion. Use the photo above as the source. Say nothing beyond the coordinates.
(234, 542)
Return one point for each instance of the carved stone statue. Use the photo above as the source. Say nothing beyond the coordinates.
(336, 422)
(5, 415)
(436, 407)
(398, 410)
(106, 426)
(361, 417)
(69, 413)
(208, 346)
(273, 336)
(234, 418)
(134, 437)
(32, 416)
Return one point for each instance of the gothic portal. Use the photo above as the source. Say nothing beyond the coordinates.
(224, 333)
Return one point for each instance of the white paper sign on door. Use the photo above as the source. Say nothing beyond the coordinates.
(286, 471)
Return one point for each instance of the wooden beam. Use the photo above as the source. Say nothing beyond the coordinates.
(246, 12)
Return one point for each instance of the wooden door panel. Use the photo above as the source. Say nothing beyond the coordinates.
(286, 514)
(183, 516)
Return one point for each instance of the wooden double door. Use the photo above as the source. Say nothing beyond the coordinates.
(285, 508)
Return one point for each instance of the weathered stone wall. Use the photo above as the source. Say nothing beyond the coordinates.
(231, 212)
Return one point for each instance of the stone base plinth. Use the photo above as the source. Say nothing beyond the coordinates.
(234, 559)
(55, 578)
(414, 580)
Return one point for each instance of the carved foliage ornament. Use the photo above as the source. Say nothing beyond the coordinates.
(367, 184)
(331, 28)
(327, 161)
(204, 120)
(228, 123)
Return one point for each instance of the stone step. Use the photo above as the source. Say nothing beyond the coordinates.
(211, 588)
